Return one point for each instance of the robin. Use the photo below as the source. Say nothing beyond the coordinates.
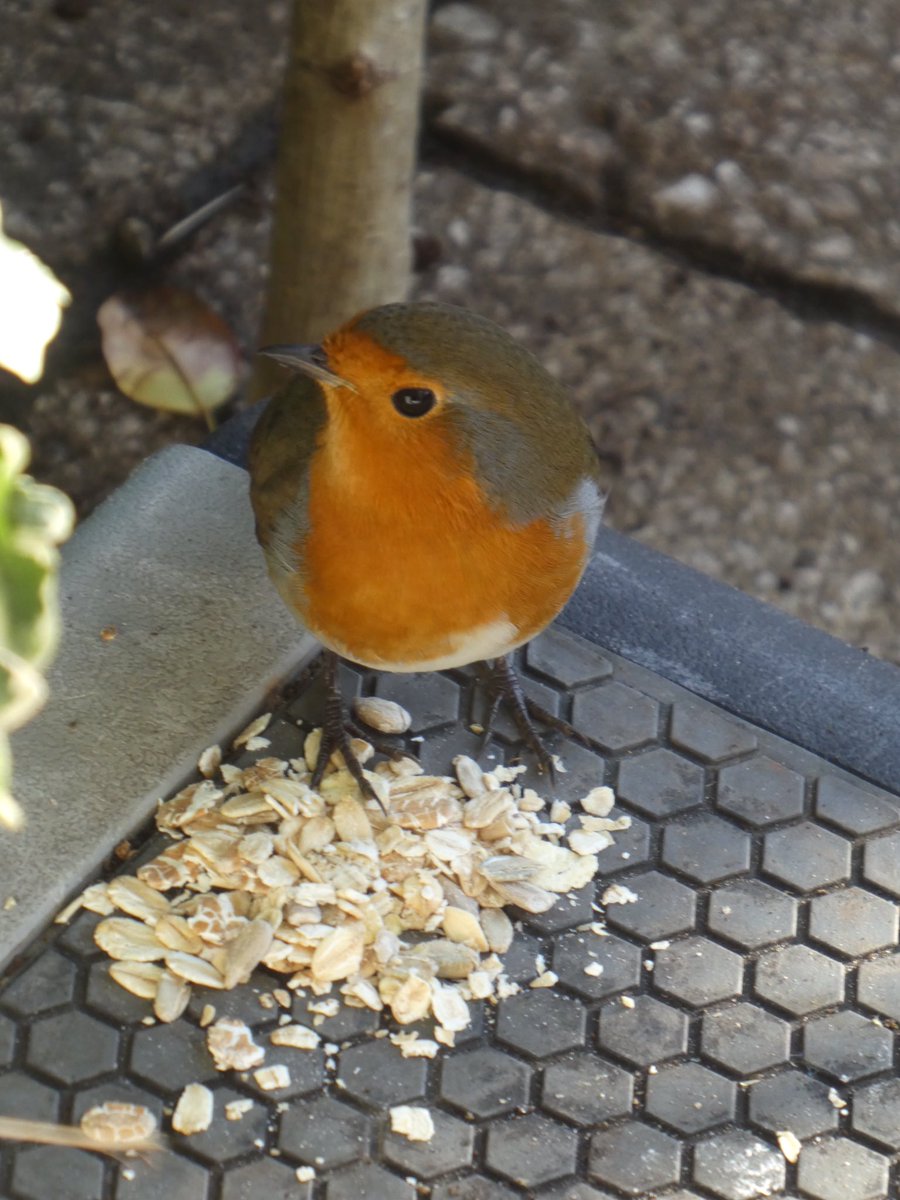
(426, 496)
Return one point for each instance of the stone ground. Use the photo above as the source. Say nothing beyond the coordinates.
(688, 211)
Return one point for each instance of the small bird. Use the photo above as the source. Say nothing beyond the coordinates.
(426, 496)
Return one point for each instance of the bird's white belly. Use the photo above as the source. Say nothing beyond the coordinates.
(491, 640)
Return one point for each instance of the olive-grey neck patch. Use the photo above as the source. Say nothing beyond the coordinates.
(514, 478)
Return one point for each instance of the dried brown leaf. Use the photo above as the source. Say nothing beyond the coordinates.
(166, 348)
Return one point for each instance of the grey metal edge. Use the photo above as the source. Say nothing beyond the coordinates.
(746, 656)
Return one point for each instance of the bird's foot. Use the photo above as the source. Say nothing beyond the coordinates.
(504, 686)
(387, 749)
(337, 733)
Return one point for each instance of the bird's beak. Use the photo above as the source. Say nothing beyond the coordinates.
(307, 360)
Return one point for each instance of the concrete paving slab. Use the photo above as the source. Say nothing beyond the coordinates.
(114, 111)
(764, 134)
(172, 635)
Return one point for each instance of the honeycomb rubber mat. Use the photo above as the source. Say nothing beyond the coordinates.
(739, 1042)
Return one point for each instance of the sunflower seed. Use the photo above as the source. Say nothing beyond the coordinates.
(339, 954)
(412, 1122)
(450, 960)
(599, 801)
(526, 895)
(461, 926)
(172, 997)
(194, 969)
(498, 929)
(298, 1036)
(139, 978)
(194, 1110)
(232, 1047)
(252, 730)
(508, 868)
(272, 1078)
(124, 938)
(385, 716)
(469, 774)
(136, 898)
(789, 1145)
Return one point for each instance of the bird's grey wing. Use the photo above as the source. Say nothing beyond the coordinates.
(281, 450)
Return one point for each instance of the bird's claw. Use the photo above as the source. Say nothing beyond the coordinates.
(504, 686)
(336, 730)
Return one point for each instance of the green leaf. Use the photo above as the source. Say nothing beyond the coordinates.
(31, 304)
(34, 519)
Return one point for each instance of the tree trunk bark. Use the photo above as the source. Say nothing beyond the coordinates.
(341, 238)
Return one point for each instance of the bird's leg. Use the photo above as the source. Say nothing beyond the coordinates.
(335, 732)
(494, 696)
(503, 684)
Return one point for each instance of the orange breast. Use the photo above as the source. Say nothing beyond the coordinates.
(404, 558)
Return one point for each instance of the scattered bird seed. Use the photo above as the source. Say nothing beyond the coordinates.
(399, 910)
(235, 1110)
(412, 1122)
(118, 1124)
(301, 1037)
(252, 730)
(232, 1047)
(789, 1145)
(270, 1079)
(194, 1110)
(384, 716)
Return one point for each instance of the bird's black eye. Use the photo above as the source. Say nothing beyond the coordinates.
(413, 401)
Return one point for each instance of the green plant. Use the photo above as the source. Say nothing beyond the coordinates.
(34, 519)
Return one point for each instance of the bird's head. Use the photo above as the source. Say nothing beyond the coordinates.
(436, 380)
